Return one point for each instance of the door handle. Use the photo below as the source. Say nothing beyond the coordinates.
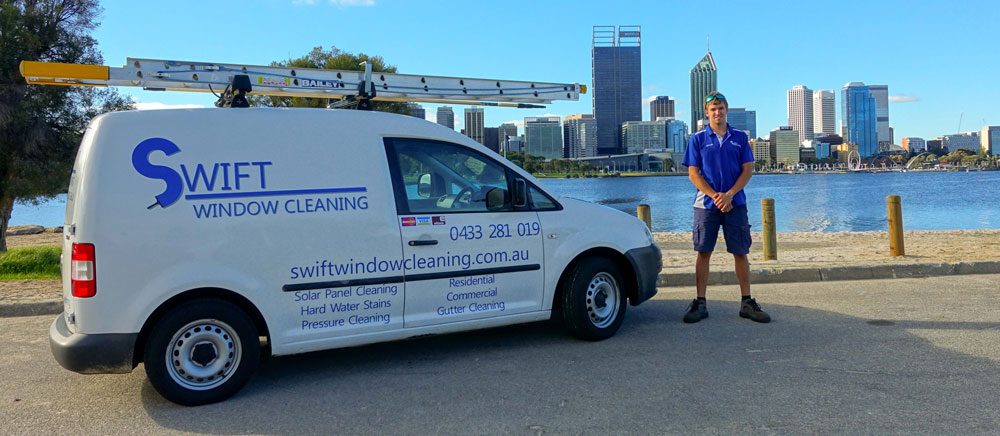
(423, 242)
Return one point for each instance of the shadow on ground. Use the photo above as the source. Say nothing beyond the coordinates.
(810, 371)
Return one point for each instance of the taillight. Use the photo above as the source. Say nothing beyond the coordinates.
(81, 270)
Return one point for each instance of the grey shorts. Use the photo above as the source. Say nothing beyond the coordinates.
(735, 227)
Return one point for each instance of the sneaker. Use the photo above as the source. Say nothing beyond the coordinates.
(696, 311)
(750, 309)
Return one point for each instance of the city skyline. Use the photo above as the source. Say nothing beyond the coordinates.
(928, 96)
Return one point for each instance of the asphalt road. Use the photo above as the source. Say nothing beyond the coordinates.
(906, 356)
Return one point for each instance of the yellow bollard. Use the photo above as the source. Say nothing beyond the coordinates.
(770, 238)
(644, 214)
(895, 209)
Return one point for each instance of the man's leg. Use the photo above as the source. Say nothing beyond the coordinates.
(701, 267)
(742, 266)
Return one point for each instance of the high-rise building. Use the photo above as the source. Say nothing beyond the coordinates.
(785, 141)
(969, 140)
(914, 144)
(661, 107)
(543, 137)
(446, 117)
(474, 124)
(934, 144)
(491, 138)
(858, 118)
(800, 111)
(824, 113)
(881, 95)
(417, 111)
(816, 149)
(616, 65)
(677, 135)
(644, 135)
(763, 151)
(704, 80)
(507, 130)
(989, 140)
(579, 136)
(742, 119)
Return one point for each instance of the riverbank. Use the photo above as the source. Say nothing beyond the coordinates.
(795, 250)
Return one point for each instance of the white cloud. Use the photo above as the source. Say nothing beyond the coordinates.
(903, 99)
(154, 105)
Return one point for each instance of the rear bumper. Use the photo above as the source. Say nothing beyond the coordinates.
(647, 263)
(107, 353)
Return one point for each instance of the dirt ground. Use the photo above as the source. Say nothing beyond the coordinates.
(797, 249)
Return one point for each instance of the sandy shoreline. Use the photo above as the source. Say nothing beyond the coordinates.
(795, 249)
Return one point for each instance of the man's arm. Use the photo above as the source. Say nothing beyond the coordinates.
(694, 174)
(725, 201)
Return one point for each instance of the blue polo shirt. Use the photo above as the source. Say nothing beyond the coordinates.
(721, 162)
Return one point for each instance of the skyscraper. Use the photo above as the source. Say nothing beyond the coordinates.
(616, 65)
(785, 143)
(491, 138)
(579, 136)
(914, 144)
(543, 137)
(857, 118)
(824, 113)
(474, 124)
(800, 111)
(704, 79)
(446, 117)
(662, 106)
(416, 110)
(677, 136)
(881, 95)
(642, 135)
(989, 140)
(742, 119)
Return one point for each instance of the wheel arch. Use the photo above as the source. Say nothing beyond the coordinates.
(624, 267)
(195, 294)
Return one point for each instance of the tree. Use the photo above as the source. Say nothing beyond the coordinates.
(40, 125)
(333, 59)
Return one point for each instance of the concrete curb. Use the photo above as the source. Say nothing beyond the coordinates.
(761, 276)
(837, 273)
(51, 307)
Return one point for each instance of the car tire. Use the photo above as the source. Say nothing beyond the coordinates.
(201, 352)
(593, 299)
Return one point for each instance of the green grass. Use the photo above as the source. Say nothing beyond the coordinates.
(30, 263)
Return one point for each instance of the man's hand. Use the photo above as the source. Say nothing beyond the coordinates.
(723, 201)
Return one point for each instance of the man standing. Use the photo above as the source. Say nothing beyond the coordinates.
(720, 163)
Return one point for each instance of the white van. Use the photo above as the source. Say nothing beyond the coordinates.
(196, 240)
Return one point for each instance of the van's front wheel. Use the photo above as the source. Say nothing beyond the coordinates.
(202, 352)
(593, 300)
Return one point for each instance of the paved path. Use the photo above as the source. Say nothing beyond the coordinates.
(902, 356)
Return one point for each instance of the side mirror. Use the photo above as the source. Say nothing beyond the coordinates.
(424, 187)
(497, 198)
(520, 193)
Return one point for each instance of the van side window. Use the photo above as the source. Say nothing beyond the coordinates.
(540, 201)
(439, 177)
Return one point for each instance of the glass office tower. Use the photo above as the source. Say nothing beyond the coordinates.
(858, 118)
(616, 66)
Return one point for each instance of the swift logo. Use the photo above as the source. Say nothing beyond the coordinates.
(230, 177)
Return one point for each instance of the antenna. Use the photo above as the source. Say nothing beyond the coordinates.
(960, 122)
(708, 43)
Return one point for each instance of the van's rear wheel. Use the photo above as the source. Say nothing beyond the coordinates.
(593, 300)
(202, 352)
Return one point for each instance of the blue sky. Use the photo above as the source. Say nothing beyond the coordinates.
(939, 59)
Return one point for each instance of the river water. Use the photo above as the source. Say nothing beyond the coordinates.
(803, 202)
